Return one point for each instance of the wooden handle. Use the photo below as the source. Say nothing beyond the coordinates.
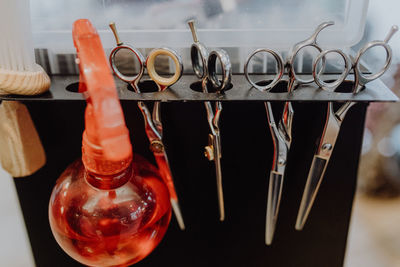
(21, 152)
(24, 82)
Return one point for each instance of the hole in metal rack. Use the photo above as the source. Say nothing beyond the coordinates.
(147, 86)
(344, 87)
(196, 86)
(280, 87)
(73, 87)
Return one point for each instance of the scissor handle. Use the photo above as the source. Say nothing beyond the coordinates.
(226, 67)
(150, 64)
(121, 76)
(360, 77)
(199, 55)
(331, 86)
(311, 41)
(120, 46)
(278, 76)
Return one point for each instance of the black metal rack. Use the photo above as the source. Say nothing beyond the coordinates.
(247, 155)
(187, 89)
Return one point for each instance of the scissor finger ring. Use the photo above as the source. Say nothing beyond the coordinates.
(150, 64)
(330, 86)
(278, 76)
(226, 68)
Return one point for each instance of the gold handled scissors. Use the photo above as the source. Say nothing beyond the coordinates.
(153, 124)
(334, 118)
(205, 67)
(281, 133)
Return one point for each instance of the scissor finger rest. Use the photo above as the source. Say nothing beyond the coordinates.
(150, 64)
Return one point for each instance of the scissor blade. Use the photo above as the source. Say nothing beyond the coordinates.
(274, 200)
(314, 179)
(156, 116)
(285, 124)
(151, 131)
(178, 213)
(165, 171)
(218, 172)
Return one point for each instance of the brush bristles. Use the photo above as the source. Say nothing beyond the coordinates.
(17, 57)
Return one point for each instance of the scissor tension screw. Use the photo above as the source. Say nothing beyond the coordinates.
(326, 147)
(209, 152)
(156, 146)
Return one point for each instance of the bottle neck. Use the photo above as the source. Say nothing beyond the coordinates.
(101, 172)
(109, 182)
(94, 160)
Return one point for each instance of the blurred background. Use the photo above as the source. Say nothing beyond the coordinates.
(374, 237)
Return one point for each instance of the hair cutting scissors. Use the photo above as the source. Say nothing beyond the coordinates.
(281, 133)
(204, 66)
(153, 125)
(334, 118)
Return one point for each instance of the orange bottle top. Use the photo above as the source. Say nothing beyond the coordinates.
(106, 147)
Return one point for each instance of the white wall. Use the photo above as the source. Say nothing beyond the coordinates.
(15, 248)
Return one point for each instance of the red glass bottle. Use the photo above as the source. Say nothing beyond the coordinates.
(106, 209)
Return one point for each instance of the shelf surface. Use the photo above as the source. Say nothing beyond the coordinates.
(241, 90)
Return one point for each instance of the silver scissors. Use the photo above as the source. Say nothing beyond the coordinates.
(334, 118)
(153, 125)
(204, 66)
(281, 133)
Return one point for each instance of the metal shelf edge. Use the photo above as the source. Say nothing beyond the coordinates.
(374, 91)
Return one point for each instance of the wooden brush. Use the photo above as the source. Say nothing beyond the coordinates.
(21, 152)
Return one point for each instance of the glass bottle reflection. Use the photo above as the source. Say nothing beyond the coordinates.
(109, 227)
